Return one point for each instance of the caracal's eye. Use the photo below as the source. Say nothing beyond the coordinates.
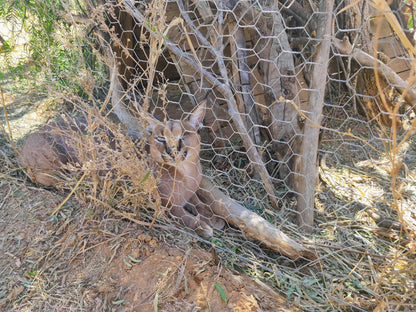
(180, 144)
(160, 139)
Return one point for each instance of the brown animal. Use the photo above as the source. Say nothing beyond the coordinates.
(173, 150)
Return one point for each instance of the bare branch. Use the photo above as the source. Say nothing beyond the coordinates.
(226, 91)
(121, 111)
(365, 59)
(252, 225)
(383, 6)
(115, 94)
(247, 92)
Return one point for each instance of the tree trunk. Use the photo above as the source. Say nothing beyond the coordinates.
(306, 165)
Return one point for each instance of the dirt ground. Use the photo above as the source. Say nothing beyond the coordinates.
(86, 260)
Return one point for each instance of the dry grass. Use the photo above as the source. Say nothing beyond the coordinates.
(87, 259)
(113, 170)
(82, 258)
(365, 257)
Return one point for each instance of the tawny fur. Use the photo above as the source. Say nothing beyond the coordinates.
(173, 148)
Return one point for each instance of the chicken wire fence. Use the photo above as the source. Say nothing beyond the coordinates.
(308, 125)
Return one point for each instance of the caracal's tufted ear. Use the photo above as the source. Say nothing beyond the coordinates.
(197, 115)
(151, 123)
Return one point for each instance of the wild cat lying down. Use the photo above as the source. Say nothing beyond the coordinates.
(172, 148)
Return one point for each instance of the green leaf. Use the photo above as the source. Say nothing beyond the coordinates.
(251, 207)
(238, 141)
(186, 285)
(134, 259)
(145, 177)
(221, 291)
(410, 23)
(6, 47)
(291, 290)
(312, 281)
(118, 302)
(200, 271)
(153, 28)
(127, 263)
(314, 296)
(155, 302)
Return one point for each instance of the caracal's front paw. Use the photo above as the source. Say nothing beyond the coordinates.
(200, 227)
(192, 222)
(204, 230)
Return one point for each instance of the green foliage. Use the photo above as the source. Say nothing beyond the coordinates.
(145, 177)
(410, 22)
(47, 52)
(6, 47)
(222, 292)
(56, 53)
(409, 13)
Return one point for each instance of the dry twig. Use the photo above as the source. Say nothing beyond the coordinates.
(226, 91)
(250, 223)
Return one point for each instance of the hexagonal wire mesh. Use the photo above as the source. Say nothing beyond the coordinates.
(289, 86)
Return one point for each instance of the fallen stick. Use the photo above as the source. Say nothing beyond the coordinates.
(252, 225)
